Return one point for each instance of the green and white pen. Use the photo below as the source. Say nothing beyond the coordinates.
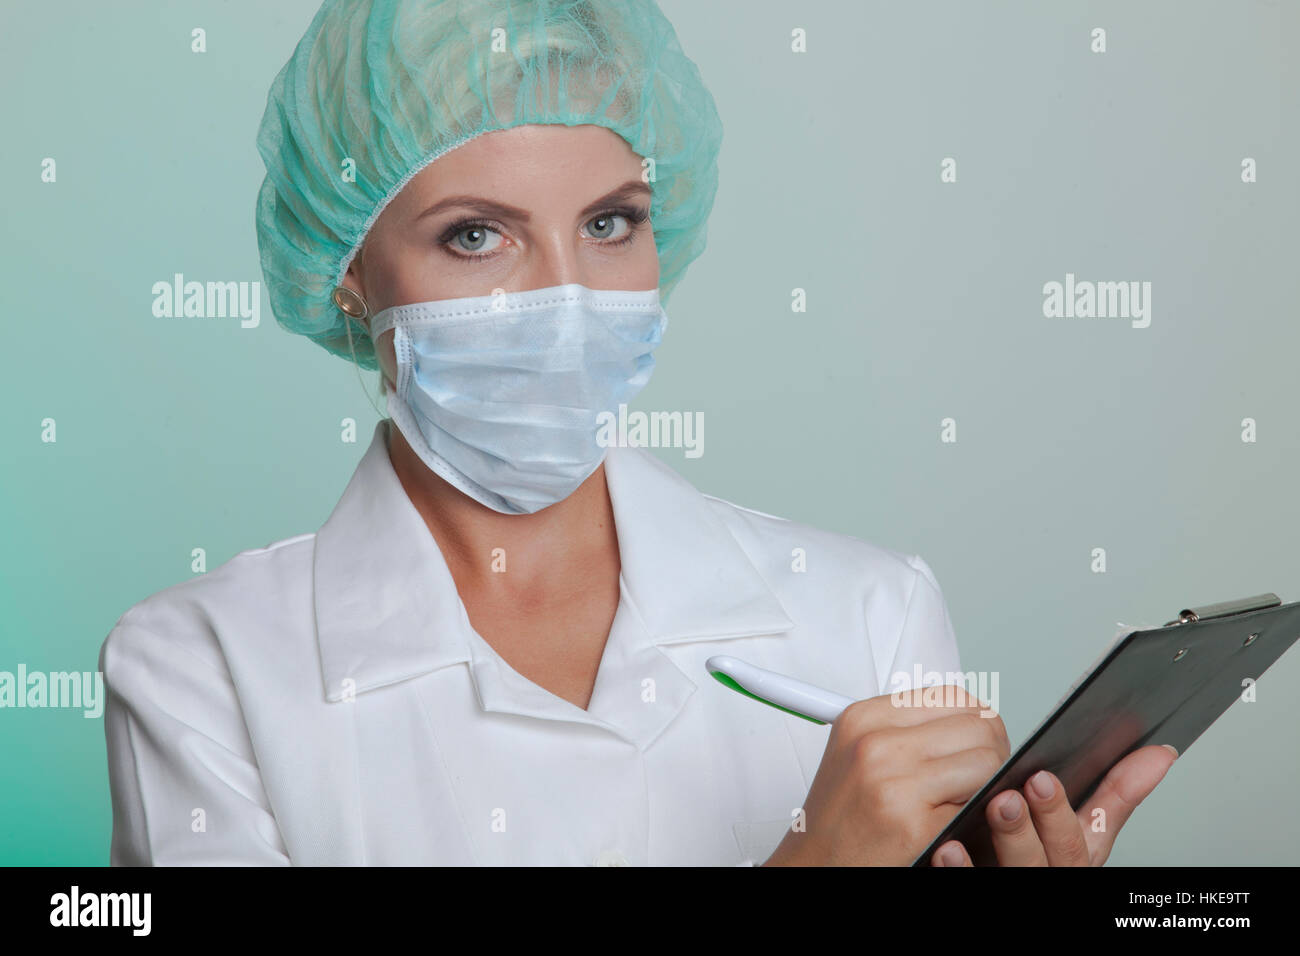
(796, 697)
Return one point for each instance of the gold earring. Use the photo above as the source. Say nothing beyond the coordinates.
(350, 303)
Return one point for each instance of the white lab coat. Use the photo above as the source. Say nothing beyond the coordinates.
(324, 700)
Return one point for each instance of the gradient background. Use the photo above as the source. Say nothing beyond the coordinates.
(924, 302)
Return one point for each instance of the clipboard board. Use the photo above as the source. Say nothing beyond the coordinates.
(1161, 685)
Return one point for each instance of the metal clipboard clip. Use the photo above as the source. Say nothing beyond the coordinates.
(1225, 609)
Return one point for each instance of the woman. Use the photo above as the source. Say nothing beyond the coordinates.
(493, 651)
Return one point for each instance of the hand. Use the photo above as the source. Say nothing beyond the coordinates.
(1049, 833)
(895, 771)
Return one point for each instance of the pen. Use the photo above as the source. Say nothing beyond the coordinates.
(796, 697)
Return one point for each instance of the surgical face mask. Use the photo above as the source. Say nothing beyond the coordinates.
(501, 394)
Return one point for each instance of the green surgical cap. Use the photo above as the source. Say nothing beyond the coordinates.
(378, 89)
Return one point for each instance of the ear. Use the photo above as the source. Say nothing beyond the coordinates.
(354, 280)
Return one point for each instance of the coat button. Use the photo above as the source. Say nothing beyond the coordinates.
(611, 858)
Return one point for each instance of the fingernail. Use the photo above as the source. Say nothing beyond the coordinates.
(1172, 749)
(950, 856)
(1010, 808)
(1041, 783)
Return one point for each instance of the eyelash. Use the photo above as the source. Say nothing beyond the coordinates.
(632, 214)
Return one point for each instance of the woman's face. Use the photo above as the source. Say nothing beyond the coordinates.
(516, 209)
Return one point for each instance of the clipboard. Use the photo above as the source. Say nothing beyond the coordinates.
(1159, 685)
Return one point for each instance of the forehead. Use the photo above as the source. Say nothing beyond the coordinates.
(529, 166)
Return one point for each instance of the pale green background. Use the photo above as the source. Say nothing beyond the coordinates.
(924, 302)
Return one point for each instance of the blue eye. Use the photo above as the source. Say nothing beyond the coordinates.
(475, 238)
(479, 239)
(605, 225)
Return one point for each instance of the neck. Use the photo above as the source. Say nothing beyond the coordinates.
(553, 552)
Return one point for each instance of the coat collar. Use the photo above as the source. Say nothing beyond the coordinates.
(387, 608)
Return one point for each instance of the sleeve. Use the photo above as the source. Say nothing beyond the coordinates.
(183, 778)
(926, 644)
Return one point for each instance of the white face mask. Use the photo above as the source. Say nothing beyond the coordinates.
(499, 395)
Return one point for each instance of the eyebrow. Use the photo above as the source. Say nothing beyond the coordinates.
(489, 207)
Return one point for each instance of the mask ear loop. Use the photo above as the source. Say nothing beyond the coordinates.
(347, 322)
(356, 366)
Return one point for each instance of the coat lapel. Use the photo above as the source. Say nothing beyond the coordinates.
(386, 604)
(387, 607)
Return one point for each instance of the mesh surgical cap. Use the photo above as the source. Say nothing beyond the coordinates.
(378, 89)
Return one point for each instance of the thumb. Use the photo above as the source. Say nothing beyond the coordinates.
(1126, 785)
